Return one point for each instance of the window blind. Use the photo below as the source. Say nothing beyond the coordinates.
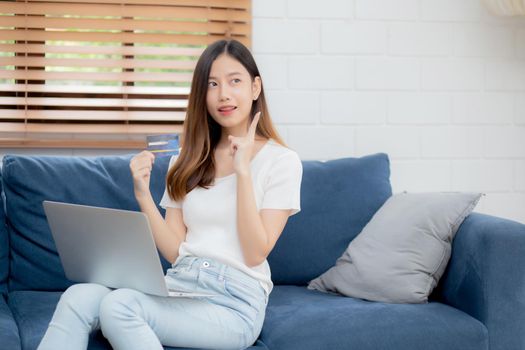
(111, 67)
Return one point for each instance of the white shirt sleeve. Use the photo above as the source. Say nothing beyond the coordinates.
(166, 201)
(283, 185)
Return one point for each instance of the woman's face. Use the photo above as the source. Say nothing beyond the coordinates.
(231, 93)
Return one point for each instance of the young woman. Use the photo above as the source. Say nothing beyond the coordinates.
(228, 196)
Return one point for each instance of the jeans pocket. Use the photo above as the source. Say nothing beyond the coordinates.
(173, 271)
(209, 282)
(181, 279)
(180, 267)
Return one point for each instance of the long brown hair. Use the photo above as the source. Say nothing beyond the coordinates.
(195, 165)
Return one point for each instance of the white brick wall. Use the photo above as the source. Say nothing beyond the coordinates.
(505, 75)
(286, 36)
(482, 175)
(446, 73)
(451, 142)
(320, 72)
(353, 37)
(336, 140)
(483, 108)
(477, 40)
(353, 107)
(420, 175)
(439, 85)
(294, 107)
(519, 182)
(419, 39)
(520, 43)
(520, 109)
(393, 73)
(401, 142)
(387, 9)
(311, 9)
(419, 108)
(452, 10)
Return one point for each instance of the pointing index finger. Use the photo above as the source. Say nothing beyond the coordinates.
(253, 125)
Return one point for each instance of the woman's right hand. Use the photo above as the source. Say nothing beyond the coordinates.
(141, 165)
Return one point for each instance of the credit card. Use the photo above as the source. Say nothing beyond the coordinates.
(164, 144)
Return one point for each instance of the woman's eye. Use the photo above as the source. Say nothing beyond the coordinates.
(212, 83)
(236, 80)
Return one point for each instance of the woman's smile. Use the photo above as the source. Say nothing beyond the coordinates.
(227, 110)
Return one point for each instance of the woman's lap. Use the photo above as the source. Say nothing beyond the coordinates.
(232, 318)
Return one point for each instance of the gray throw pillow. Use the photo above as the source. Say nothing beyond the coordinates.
(402, 252)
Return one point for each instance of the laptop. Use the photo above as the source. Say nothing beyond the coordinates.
(111, 247)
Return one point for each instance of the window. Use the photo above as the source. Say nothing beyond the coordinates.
(104, 73)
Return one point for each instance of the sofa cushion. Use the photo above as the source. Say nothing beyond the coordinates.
(4, 244)
(402, 252)
(8, 329)
(33, 310)
(28, 180)
(303, 319)
(338, 198)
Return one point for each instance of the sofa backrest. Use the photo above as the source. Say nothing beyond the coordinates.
(28, 180)
(338, 198)
(4, 243)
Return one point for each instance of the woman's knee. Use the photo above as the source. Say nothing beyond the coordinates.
(120, 304)
(83, 299)
(84, 293)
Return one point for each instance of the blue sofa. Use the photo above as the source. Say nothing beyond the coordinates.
(478, 304)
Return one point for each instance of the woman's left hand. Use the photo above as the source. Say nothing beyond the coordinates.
(241, 148)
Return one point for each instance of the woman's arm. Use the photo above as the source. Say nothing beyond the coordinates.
(168, 234)
(258, 233)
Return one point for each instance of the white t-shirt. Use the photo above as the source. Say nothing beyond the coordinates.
(210, 215)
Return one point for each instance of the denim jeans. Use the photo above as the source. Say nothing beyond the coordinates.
(231, 319)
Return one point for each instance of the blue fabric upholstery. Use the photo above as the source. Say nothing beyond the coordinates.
(338, 198)
(485, 277)
(4, 244)
(302, 319)
(98, 181)
(9, 338)
(33, 311)
(480, 298)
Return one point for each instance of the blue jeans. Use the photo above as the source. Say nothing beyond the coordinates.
(133, 320)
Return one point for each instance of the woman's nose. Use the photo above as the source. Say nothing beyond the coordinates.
(224, 94)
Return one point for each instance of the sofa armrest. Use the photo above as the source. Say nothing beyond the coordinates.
(486, 277)
(9, 337)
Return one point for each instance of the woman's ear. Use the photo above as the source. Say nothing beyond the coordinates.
(256, 87)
